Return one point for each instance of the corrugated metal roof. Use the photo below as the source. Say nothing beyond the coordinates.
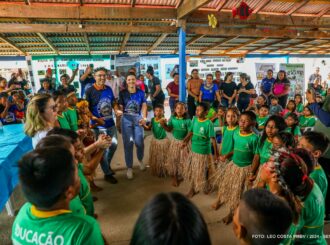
(278, 6)
(313, 7)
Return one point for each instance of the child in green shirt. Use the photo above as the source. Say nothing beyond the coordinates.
(61, 106)
(292, 123)
(49, 180)
(71, 113)
(298, 100)
(307, 119)
(179, 124)
(273, 125)
(236, 173)
(316, 143)
(218, 122)
(198, 168)
(158, 150)
(262, 117)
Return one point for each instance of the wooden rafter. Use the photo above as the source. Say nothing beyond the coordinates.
(290, 46)
(133, 3)
(221, 5)
(27, 2)
(323, 12)
(13, 45)
(244, 44)
(263, 4)
(319, 47)
(189, 6)
(218, 44)
(178, 4)
(297, 6)
(48, 42)
(191, 41)
(87, 43)
(156, 44)
(267, 45)
(81, 2)
(125, 40)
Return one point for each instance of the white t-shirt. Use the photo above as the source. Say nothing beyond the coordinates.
(38, 136)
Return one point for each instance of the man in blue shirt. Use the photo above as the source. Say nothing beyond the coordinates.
(267, 84)
(87, 79)
(101, 103)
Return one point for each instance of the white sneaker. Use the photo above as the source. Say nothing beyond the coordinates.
(129, 173)
(142, 166)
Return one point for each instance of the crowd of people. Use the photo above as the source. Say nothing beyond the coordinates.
(265, 155)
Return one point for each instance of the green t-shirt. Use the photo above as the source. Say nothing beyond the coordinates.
(261, 122)
(306, 121)
(72, 118)
(85, 194)
(62, 227)
(245, 146)
(210, 113)
(296, 131)
(311, 220)
(77, 207)
(227, 145)
(180, 127)
(300, 108)
(216, 122)
(63, 122)
(157, 130)
(264, 150)
(202, 131)
(319, 177)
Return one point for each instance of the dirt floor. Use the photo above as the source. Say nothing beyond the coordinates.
(119, 205)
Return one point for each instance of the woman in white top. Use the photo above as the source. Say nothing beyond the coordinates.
(40, 117)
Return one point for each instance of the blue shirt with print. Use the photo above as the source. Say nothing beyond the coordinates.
(86, 84)
(100, 104)
(267, 84)
(132, 103)
(209, 93)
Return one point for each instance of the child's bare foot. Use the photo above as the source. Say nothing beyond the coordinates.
(94, 187)
(95, 216)
(95, 199)
(207, 190)
(216, 205)
(175, 182)
(191, 193)
(228, 219)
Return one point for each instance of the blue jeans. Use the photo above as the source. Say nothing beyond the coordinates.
(108, 153)
(172, 102)
(225, 103)
(132, 134)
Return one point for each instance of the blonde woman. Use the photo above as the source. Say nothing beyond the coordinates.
(40, 117)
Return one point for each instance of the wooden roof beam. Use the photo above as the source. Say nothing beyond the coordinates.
(133, 3)
(218, 44)
(156, 44)
(323, 12)
(298, 6)
(27, 2)
(189, 6)
(10, 43)
(319, 47)
(221, 5)
(48, 42)
(93, 28)
(263, 4)
(87, 43)
(126, 38)
(191, 41)
(268, 44)
(244, 44)
(178, 4)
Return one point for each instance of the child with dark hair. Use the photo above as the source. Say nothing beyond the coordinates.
(179, 124)
(49, 181)
(159, 144)
(290, 180)
(236, 173)
(260, 212)
(199, 166)
(284, 140)
(219, 120)
(290, 109)
(263, 115)
(170, 218)
(316, 143)
(7, 116)
(274, 125)
(298, 100)
(261, 100)
(61, 106)
(307, 118)
(71, 113)
(274, 108)
(292, 123)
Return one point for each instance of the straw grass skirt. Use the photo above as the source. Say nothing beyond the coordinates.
(177, 156)
(158, 153)
(196, 171)
(233, 184)
(217, 175)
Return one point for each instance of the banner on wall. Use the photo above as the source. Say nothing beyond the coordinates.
(261, 72)
(153, 61)
(296, 75)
